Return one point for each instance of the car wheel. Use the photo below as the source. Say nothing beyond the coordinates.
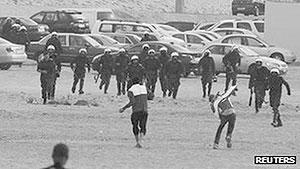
(5, 66)
(277, 56)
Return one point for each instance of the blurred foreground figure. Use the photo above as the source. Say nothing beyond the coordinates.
(60, 156)
(47, 67)
(138, 101)
(222, 107)
(275, 83)
(78, 67)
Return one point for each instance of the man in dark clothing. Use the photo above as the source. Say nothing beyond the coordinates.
(6, 28)
(146, 37)
(173, 71)
(53, 55)
(106, 62)
(144, 53)
(152, 65)
(259, 82)
(231, 61)
(60, 156)
(138, 101)
(275, 85)
(207, 64)
(47, 68)
(13, 33)
(163, 59)
(223, 108)
(78, 67)
(122, 61)
(23, 37)
(134, 70)
(55, 42)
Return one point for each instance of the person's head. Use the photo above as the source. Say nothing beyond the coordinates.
(146, 47)
(23, 28)
(17, 21)
(258, 62)
(206, 53)
(151, 53)
(50, 49)
(174, 56)
(136, 80)
(135, 59)
(107, 51)
(9, 20)
(163, 50)
(54, 34)
(212, 98)
(274, 72)
(60, 154)
(146, 35)
(122, 51)
(15, 26)
(82, 52)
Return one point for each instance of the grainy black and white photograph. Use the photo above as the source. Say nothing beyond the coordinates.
(149, 84)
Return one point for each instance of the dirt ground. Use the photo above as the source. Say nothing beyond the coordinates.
(180, 132)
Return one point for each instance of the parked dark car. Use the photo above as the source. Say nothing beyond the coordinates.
(71, 43)
(248, 7)
(181, 25)
(35, 31)
(185, 55)
(64, 21)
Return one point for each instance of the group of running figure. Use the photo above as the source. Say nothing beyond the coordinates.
(141, 74)
(261, 80)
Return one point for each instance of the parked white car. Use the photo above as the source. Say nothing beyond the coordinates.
(259, 46)
(194, 42)
(248, 56)
(165, 29)
(210, 35)
(229, 31)
(255, 26)
(11, 54)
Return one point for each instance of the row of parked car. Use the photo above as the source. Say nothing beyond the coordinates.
(115, 34)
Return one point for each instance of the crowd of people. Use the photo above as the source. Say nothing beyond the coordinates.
(141, 73)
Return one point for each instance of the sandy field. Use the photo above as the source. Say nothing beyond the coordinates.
(180, 132)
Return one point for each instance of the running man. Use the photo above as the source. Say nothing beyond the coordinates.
(138, 101)
(222, 105)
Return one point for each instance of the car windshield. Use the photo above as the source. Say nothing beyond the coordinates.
(27, 21)
(247, 51)
(266, 43)
(212, 34)
(108, 40)
(77, 16)
(168, 28)
(92, 41)
(180, 49)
